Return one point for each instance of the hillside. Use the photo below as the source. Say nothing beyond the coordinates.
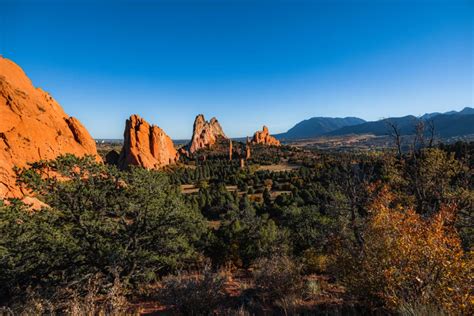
(446, 125)
(318, 126)
(465, 111)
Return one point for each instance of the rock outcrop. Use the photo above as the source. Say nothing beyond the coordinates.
(205, 134)
(263, 137)
(146, 145)
(33, 126)
(247, 149)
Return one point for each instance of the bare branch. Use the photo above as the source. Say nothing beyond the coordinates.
(395, 133)
(431, 133)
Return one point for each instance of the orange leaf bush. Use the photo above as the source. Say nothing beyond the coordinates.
(408, 260)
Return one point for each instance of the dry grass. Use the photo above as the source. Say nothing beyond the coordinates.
(193, 293)
(189, 189)
(95, 298)
(231, 188)
(279, 167)
(275, 194)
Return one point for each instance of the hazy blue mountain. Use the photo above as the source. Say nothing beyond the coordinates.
(427, 116)
(447, 124)
(317, 126)
(454, 125)
(465, 111)
(405, 124)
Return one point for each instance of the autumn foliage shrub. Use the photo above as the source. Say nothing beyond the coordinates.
(408, 260)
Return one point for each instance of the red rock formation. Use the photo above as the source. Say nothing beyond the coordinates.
(247, 149)
(183, 152)
(33, 126)
(230, 149)
(205, 134)
(242, 163)
(263, 137)
(146, 145)
(81, 135)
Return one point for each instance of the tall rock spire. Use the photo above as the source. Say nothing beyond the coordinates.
(247, 149)
(146, 145)
(205, 134)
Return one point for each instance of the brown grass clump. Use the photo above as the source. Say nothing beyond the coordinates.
(278, 281)
(193, 293)
(95, 297)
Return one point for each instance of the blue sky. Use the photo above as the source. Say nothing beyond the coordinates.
(248, 63)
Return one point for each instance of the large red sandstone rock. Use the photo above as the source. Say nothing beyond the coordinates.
(263, 137)
(33, 126)
(205, 134)
(146, 145)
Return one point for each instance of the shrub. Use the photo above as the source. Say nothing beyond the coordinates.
(314, 262)
(94, 296)
(99, 220)
(193, 293)
(309, 229)
(408, 260)
(312, 288)
(277, 278)
(243, 237)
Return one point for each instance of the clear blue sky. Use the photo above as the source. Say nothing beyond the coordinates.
(246, 62)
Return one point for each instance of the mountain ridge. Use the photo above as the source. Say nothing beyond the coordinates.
(448, 124)
(318, 126)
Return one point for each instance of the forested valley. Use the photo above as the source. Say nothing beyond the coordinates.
(286, 231)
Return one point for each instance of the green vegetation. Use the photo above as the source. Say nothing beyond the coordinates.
(353, 232)
(131, 225)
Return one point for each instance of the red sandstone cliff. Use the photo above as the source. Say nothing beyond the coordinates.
(33, 126)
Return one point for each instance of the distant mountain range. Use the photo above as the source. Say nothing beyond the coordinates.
(318, 126)
(447, 124)
(465, 111)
